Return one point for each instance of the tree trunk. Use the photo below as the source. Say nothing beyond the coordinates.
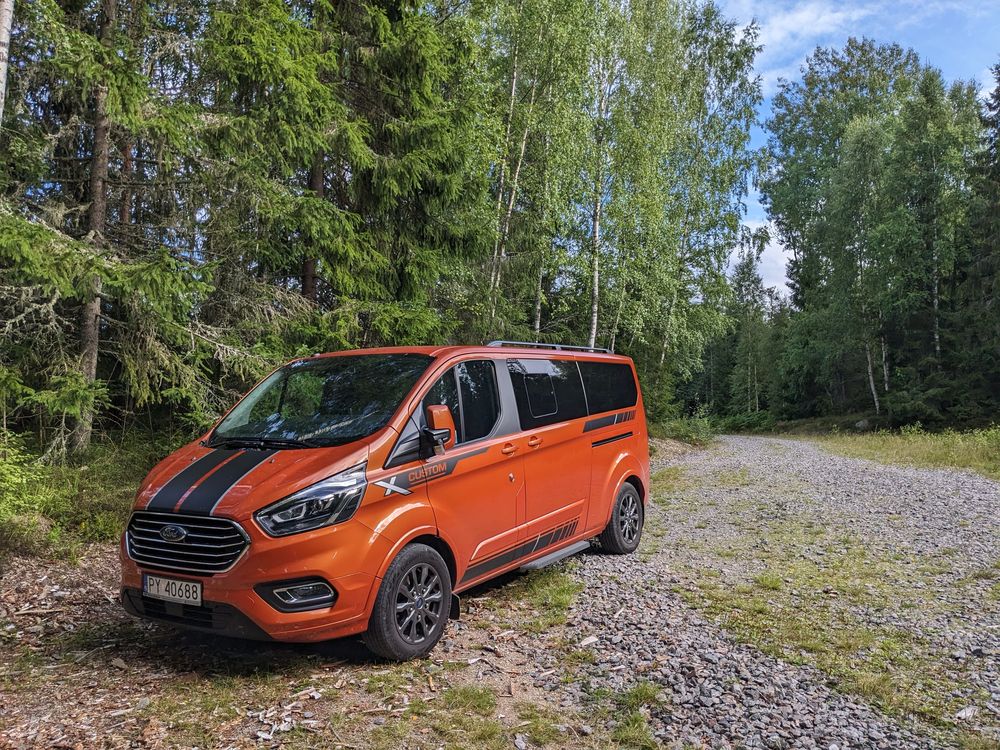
(595, 268)
(317, 182)
(885, 365)
(538, 298)
(125, 208)
(96, 219)
(596, 214)
(6, 21)
(871, 378)
(937, 307)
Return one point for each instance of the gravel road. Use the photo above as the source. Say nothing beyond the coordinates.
(721, 693)
(783, 597)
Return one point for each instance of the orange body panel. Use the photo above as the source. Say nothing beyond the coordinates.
(489, 505)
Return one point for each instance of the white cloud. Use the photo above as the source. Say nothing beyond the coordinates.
(773, 260)
(791, 29)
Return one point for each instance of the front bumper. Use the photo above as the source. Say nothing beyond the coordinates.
(347, 556)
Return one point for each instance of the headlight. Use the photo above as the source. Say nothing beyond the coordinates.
(331, 501)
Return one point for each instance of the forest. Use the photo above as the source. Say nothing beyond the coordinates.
(193, 191)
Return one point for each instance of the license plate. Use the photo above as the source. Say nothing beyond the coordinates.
(172, 590)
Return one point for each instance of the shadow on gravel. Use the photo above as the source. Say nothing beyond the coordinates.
(108, 637)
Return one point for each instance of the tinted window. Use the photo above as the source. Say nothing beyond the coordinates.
(546, 391)
(610, 386)
(469, 390)
(326, 400)
(445, 391)
(477, 383)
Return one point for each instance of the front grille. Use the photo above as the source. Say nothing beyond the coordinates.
(212, 545)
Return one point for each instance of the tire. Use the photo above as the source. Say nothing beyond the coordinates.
(624, 531)
(404, 624)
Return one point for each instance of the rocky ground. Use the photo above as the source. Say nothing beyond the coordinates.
(885, 576)
(783, 597)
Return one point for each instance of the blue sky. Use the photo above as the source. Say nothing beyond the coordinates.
(960, 37)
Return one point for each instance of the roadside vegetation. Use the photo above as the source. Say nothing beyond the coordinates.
(697, 430)
(51, 509)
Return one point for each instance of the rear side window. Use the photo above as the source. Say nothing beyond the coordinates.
(610, 386)
(546, 391)
(469, 390)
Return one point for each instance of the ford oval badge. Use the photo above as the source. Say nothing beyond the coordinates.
(173, 533)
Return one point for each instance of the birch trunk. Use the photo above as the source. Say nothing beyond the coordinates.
(596, 214)
(871, 378)
(6, 21)
(885, 365)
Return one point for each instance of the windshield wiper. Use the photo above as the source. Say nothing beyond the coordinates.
(261, 442)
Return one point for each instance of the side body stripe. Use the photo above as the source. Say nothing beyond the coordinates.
(612, 439)
(610, 419)
(502, 559)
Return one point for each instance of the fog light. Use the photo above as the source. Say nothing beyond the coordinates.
(296, 596)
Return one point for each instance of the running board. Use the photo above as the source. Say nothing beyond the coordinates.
(554, 557)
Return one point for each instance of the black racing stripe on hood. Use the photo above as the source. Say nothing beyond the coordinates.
(206, 496)
(168, 495)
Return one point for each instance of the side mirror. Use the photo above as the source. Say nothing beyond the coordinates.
(440, 430)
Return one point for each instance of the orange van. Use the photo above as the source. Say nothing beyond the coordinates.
(361, 491)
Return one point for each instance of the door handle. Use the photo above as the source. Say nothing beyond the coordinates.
(534, 441)
(508, 448)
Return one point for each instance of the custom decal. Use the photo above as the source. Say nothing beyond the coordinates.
(611, 439)
(391, 487)
(503, 559)
(199, 487)
(596, 424)
(404, 482)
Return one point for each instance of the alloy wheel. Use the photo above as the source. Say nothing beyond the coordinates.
(419, 603)
(628, 518)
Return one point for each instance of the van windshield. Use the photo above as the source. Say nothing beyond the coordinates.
(323, 401)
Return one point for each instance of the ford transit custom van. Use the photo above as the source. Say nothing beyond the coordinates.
(359, 492)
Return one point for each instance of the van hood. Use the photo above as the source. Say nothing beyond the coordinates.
(236, 482)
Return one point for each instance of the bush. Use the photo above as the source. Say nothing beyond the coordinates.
(691, 430)
(26, 497)
(758, 421)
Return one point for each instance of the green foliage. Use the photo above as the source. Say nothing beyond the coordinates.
(43, 506)
(291, 176)
(757, 421)
(883, 186)
(696, 430)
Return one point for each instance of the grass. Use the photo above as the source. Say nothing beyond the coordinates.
(542, 599)
(976, 450)
(812, 609)
(54, 508)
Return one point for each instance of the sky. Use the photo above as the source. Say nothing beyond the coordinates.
(960, 37)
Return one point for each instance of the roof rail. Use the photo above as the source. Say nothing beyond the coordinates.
(537, 345)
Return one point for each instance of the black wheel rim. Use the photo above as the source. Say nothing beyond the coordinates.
(419, 603)
(628, 519)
